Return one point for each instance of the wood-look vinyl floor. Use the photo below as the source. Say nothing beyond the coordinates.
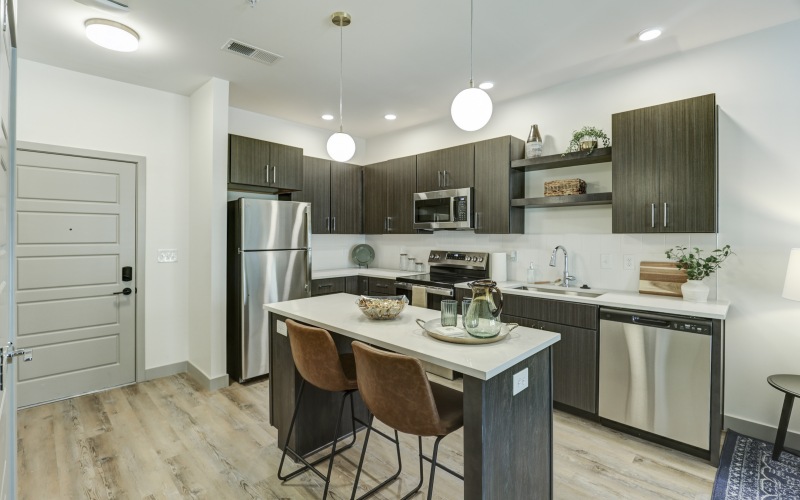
(167, 438)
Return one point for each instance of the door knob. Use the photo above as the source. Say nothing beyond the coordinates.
(125, 291)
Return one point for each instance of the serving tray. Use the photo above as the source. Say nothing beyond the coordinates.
(432, 329)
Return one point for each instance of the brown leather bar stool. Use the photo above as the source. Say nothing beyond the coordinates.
(397, 392)
(790, 386)
(320, 364)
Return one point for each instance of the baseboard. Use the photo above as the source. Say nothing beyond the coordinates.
(165, 371)
(761, 431)
(211, 384)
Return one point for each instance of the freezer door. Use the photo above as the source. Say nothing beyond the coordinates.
(274, 225)
(268, 276)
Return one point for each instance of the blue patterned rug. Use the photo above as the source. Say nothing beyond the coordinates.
(747, 471)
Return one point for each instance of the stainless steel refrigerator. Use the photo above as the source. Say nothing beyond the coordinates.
(269, 260)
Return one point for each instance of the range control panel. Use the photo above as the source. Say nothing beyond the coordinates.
(459, 259)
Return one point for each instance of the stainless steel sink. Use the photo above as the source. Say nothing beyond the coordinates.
(575, 292)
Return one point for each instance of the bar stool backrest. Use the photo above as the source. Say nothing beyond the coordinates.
(316, 357)
(396, 390)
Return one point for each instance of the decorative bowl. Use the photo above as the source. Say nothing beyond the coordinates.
(388, 307)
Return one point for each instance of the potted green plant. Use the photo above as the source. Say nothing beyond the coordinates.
(697, 268)
(586, 138)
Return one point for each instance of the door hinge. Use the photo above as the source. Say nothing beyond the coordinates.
(9, 353)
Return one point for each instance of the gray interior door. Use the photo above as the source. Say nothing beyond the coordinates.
(75, 231)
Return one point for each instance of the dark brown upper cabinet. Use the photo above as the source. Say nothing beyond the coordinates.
(450, 168)
(389, 187)
(496, 184)
(335, 191)
(664, 173)
(255, 165)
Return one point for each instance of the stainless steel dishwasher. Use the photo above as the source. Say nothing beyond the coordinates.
(655, 374)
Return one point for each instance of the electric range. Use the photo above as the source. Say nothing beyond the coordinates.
(447, 268)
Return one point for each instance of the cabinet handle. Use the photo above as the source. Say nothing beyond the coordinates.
(665, 214)
(334, 224)
(385, 224)
(444, 176)
(381, 286)
(327, 285)
(652, 215)
(389, 224)
(274, 174)
(478, 220)
(439, 178)
(328, 224)
(266, 174)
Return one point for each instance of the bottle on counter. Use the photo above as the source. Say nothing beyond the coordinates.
(532, 273)
(404, 262)
(533, 146)
(411, 261)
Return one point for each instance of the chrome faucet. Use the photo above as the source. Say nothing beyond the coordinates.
(567, 278)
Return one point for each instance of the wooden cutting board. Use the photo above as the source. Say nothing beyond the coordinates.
(661, 278)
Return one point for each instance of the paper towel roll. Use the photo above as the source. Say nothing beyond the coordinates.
(497, 266)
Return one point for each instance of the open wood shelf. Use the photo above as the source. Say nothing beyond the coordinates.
(572, 200)
(599, 155)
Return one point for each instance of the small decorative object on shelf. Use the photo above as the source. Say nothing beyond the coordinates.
(533, 147)
(697, 268)
(564, 187)
(586, 139)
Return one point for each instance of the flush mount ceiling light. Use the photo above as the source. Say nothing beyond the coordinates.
(472, 107)
(649, 34)
(112, 35)
(390, 117)
(341, 147)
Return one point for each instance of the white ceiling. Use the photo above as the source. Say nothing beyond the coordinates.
(405, 57)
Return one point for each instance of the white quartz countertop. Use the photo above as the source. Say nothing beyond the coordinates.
(339, 313)
(373, 272)
(714, 309)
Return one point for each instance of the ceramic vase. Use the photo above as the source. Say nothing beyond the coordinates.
(695, 291)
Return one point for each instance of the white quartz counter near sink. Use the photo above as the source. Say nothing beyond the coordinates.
(714, 309)
(372, 272)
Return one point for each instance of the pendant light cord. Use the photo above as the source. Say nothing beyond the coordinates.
(470, 43)
(341, 57)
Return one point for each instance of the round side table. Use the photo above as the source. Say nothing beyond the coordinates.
(790, 386)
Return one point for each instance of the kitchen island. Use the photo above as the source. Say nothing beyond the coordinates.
(508, 438)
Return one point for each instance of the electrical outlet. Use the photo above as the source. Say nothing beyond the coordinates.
(167, 255)
(627, 262)
(606, 261)
(513, 256)
(520, 381)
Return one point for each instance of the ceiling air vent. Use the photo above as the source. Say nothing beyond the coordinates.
(251, 52)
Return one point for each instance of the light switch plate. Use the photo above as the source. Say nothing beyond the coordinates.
(520, 381)
(167, 255)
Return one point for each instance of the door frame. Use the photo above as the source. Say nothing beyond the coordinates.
(140, 164)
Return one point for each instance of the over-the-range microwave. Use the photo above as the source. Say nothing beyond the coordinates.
(446, 209)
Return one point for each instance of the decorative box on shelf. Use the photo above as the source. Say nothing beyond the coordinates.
(564, 187)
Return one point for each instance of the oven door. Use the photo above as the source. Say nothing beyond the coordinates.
(434, 295)
(447, 209)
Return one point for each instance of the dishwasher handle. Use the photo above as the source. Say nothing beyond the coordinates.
(661, 323)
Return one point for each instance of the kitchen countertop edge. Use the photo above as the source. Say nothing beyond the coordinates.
(372, 272)
(629, 300)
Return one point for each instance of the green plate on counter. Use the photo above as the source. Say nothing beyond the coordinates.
(362, 254)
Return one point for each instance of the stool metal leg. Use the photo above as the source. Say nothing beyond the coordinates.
(786, 413)
(361, 463)
(421, 473)
(433, 466)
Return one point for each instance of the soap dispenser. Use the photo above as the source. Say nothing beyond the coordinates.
(532, 273)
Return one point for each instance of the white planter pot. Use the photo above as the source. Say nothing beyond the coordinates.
(695, 291)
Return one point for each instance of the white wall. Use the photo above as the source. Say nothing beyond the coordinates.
(72, 109)
(756, 83)
(207, 235)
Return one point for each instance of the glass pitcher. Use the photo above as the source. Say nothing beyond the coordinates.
(483, 316)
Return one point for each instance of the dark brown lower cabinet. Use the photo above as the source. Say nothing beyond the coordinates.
(574, 356)
(327, 286)
(381, 286)
(356, 285)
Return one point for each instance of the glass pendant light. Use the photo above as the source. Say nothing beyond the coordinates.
(472, 107)
(341, 147)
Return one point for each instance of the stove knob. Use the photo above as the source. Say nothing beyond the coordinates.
(470, 259)
(432, 257)
(480, 259)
